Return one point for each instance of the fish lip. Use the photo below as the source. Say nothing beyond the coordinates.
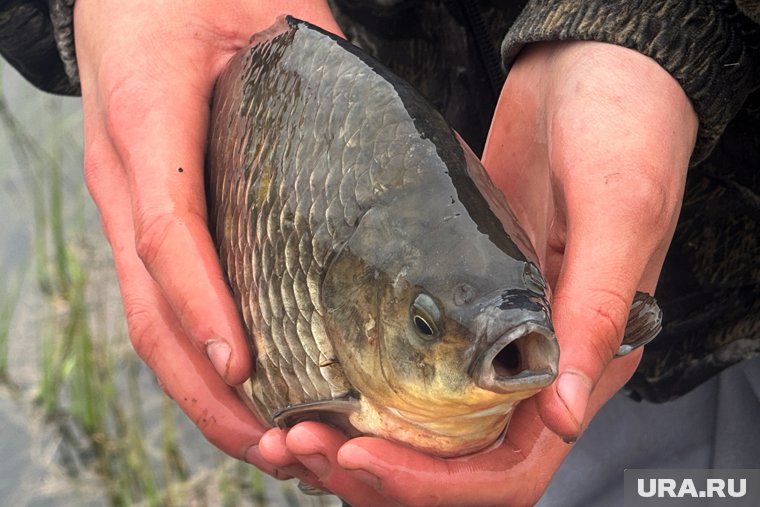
(539, 373)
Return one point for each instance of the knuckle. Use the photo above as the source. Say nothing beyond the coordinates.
(96, 170)
(650, 202)
(607, 323)
(151, 233)
(125, 103)
(158, 236)
(141, 324)
(603, 314)
(602, 350)
(99, 180)
(206, 422)
(185, 311)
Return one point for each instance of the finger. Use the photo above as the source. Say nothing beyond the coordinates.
(618, 228)
(316, 446)
(514, 473)
(617, 373)
(159, 135)
(516, 163)
(183, 372)
(273, 448)
(413, 479)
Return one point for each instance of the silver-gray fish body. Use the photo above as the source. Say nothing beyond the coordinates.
(386, 285)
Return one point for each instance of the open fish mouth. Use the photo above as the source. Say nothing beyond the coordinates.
(522, 359)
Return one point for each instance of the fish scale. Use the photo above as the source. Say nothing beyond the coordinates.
(279, 251)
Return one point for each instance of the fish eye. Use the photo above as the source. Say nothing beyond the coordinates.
(423, 326)
(425, 316)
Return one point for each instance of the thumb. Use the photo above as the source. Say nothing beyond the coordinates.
(158, 133)
(589, 334)
(616, 244)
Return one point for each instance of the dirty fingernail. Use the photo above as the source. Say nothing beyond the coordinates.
(219, 354)
(574, 391)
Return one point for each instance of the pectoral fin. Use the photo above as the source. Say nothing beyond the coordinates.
(334, 413)
(644, 323)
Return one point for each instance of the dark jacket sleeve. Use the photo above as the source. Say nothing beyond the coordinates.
(37, 38)
(712, 47)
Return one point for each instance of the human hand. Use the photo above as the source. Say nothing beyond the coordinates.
(147, 71)
(373, 472)
(607, 134)
(590, 144)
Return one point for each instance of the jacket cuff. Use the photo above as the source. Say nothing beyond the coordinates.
(62, 19)
(27, 42)
(38, 40)
(710, 48)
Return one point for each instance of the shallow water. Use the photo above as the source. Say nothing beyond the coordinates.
(84, 422)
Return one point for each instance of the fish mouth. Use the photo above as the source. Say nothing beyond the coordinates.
(522, 359)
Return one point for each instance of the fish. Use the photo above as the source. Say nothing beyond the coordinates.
(386, 286)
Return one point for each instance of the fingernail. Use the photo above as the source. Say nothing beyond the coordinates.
(219, 353)
(314, 462)
(366, 477)
(574, 391)
(570, 440)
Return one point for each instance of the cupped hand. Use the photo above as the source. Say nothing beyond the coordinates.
(372, 472)
(147, 71)
(590, 143)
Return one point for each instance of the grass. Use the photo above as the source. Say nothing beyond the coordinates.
(90, 388)
(9, 298)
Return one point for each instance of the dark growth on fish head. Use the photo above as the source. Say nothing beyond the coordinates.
(433, 307)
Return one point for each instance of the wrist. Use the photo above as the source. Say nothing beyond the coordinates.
(615, 93)
(712, 58)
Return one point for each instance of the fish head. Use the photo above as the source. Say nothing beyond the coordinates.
(440, 321)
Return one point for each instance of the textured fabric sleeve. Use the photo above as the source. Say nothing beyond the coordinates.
(62, 19)
(36, 37)
(711, 47)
